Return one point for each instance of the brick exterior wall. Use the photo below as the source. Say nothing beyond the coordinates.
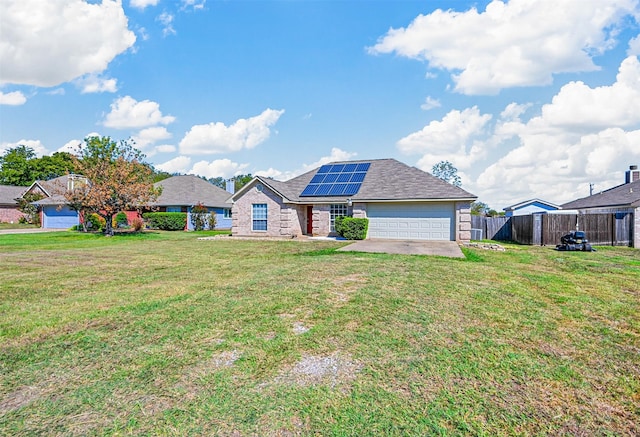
(321, 220)
(283, 220)
(463, 221)
(289, 220)
(10, 214)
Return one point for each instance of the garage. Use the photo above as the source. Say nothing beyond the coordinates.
(411, 221)
(54, 218)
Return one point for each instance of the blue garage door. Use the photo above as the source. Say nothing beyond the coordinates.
(63, 218)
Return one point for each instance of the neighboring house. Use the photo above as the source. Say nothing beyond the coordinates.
(9, 212)
(181, 193)
(532, 206)
(401, 202)
(623, 199)
(54, 212)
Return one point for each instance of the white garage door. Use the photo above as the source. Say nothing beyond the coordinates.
(411, 221)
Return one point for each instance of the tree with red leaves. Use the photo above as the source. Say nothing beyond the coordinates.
(115, 178)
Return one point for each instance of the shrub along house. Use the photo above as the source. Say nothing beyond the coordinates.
(401, 202)
(182, 193)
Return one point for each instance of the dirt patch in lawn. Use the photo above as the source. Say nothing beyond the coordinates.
(332, 370)
(191, 375)
(345, 286)
(19, 398)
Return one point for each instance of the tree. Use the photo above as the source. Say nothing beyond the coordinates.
(218, 182)
(31, 211)
(479, 208)
(117, 179)
(447, 172)
(15, 168)
(20, 166)
(241, 180)
(49, 167)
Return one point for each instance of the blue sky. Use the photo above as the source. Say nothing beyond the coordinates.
(527, 98)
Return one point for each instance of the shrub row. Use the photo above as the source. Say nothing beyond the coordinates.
(352, 228)
(166, 221)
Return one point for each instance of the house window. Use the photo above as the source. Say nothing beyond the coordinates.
(227, 213)
(337, 210)
(259, 217)
(174, 209)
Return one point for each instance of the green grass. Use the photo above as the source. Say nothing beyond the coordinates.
(163, 334)
(16, 226)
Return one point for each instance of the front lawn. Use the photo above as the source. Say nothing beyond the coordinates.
(16, 226)
(163, 334)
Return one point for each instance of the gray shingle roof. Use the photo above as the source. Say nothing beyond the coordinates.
(622, 195)
(387, 179)
(191, 190)
(9, 193)
(55, 188)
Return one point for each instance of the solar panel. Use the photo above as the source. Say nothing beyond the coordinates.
(310, 190)
(337, 180)
(337, 189)
(343, 177)
(317, 179)
(357, 177)
(351, 189)
(323, 190)
(331, 177)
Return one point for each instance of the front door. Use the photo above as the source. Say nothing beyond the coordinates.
(310, 220)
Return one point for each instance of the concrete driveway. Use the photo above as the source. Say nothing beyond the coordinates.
(406, 247)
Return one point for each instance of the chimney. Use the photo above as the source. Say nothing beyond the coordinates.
(231, 186)
(632, 175)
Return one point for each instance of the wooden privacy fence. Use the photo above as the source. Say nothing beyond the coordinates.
(546, 229)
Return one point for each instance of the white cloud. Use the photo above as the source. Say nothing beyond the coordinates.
(14, 98)
(430, 103)
(150, 135)
(519, 43)
(335, 155)
(36, 145)
(209, 169)
(95, 84)
(56, 92)
(216, 137)
(166, 19)
(70, 146)
(194, 4)
(46, 43)
(165, 148)
(219, 168)
(126, 112)
(513, 111)
(179, 164)
(585, 135)
(141, 4)
(634, 46)
(578, 105)
(450, 139)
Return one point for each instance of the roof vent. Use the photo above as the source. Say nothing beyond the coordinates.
(632, 175)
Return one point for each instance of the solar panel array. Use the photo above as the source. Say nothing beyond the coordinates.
(337, 180)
